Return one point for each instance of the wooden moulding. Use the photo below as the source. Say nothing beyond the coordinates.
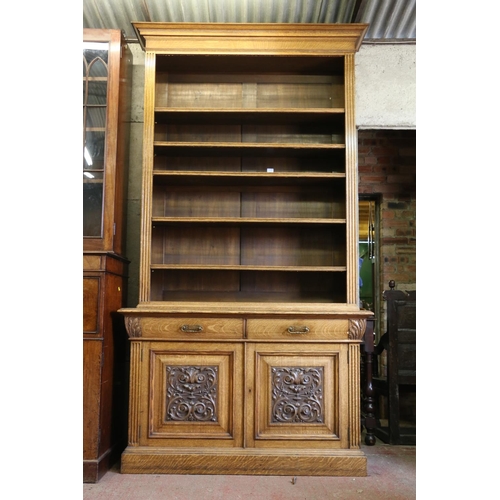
(250, 38)
(243, 461)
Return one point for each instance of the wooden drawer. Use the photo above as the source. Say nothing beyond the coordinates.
(188, 328)
(297, 329)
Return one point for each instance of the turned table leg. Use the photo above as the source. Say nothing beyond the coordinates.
(368, 398)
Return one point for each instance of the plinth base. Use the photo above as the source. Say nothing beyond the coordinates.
(271, 462)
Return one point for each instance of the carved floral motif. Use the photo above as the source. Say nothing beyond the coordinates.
(192, 393)
(297, 394)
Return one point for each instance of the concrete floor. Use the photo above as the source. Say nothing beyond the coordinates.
(391, 476)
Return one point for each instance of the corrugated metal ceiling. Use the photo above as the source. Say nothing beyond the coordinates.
(389, 20)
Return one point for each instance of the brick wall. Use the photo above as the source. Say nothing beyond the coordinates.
(387, 168)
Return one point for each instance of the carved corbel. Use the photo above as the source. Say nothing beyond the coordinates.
(133, 326)
(356, 329)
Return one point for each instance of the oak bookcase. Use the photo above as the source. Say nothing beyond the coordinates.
(245, 341)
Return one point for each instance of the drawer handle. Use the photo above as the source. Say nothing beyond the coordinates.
(294, 329)
(191, 328)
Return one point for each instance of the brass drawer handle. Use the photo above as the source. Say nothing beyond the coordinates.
(294, 329)
(191, 328)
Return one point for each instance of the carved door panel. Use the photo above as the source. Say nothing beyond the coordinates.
(195, 393)
(299, 395)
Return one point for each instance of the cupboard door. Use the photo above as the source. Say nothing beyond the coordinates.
(194, 393)
(298, 396)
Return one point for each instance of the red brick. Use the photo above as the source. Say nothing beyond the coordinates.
(373, 179)
(387, 167)
(387, 160)
(362, 168)
(388, 214)
(385, 151)
(396, 223)
(404, 232)
(401, 179)
(388, 188)
(393, 241)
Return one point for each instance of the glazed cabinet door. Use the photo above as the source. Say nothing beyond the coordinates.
(297, 396)
(190, 393)
(107, 65)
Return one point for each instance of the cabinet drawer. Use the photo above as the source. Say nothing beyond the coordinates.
(298, 329)
(189, 328)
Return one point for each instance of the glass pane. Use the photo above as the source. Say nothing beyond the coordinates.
(98, 68)
(95, 74)
(97, 92)
(93, 153)
(93, 50)
(96, 118)
(92, 204)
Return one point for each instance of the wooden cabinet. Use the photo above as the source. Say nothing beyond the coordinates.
(245, 341)
(106, 84)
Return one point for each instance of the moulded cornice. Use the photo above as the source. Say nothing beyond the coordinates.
(250, 38)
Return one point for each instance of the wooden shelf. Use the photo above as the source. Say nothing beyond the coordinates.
(246, 220)
(316, 116)
(202, 176)
(327, 269)
(248, 145)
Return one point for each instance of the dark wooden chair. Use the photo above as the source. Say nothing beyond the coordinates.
(399, 342)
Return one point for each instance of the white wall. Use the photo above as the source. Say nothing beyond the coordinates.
(386, 86)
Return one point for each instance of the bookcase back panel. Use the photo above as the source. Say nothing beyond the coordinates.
(305, 284)
(202, 245)
(300, 95)
(247, 286)
(182, 283)
(198, 133)
(270, 164)
(250, 201)
(248, 66)
(197, 163)
(199, 95)
(272, 245)
(282, 246)
(294, 134)
(281, 134)
(335, 162)
(237, 91)
(200, 202)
